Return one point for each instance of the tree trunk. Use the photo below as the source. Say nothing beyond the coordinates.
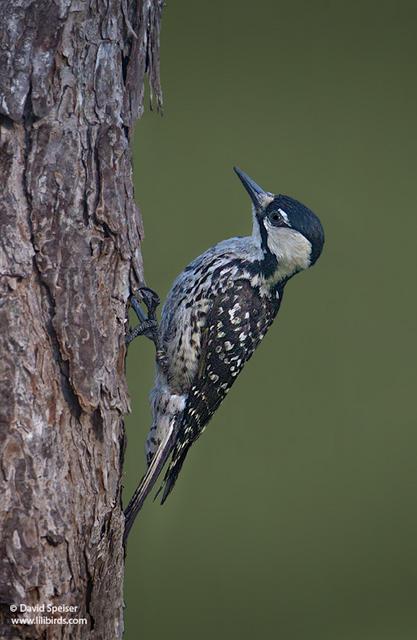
(71, 85)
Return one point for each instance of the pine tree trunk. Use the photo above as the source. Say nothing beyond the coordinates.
(71, 85)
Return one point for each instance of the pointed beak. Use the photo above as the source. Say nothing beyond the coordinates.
(258, 196)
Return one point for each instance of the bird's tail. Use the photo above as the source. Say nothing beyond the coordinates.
(159, 459)
(178, 457)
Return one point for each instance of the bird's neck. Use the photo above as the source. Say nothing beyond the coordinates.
(271, 270)
(265, 271)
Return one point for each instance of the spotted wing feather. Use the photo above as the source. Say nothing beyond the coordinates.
(236, 323)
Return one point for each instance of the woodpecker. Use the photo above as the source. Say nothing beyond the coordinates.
(216, 314)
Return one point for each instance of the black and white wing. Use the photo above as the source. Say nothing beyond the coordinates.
(236, 323)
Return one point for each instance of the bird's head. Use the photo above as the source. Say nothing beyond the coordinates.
(289, 234)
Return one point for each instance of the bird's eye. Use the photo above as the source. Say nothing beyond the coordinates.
(275, 218)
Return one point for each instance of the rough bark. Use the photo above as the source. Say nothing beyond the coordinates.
(71, 85)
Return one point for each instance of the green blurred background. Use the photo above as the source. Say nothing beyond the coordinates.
(295, 514)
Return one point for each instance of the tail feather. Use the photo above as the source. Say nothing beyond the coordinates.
(148, 481)
(173, 470)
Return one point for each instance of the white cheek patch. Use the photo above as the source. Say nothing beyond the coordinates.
(291, 248)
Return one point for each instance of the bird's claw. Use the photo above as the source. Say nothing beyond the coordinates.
(149, 298)
(146, 328)
(148, 325)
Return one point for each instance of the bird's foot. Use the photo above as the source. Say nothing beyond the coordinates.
(144, 328)
(149, 298)
(148, 324)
